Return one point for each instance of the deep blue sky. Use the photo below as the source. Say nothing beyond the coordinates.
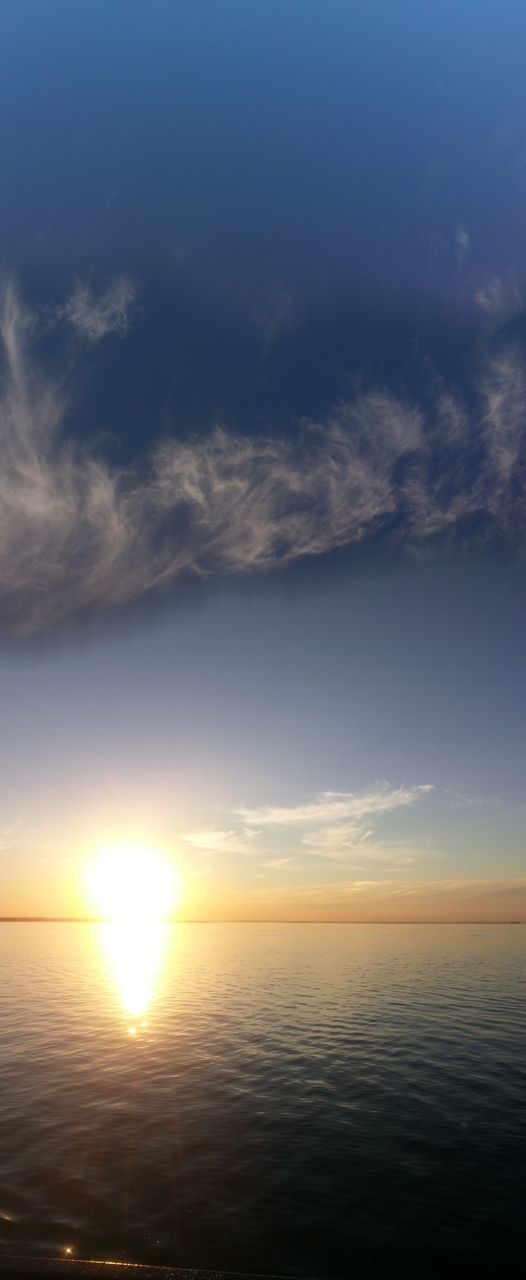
(314, 213)
(293, 144)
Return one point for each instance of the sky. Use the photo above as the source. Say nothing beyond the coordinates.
(262, 446)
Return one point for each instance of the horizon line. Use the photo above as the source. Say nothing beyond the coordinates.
(248, 920)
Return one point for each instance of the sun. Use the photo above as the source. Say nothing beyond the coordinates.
(127, 883)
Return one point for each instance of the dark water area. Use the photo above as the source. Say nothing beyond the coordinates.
(307, 1099)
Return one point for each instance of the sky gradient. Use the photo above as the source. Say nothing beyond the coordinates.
(263, 447)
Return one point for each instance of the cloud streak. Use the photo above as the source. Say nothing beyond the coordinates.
(501, 299)
(80, 535)
(349, 842)
(332, 806)
(94, 316)
(213, 841)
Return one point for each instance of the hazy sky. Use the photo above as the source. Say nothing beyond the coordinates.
(262, 453)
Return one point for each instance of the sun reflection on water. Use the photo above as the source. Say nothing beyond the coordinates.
(135, 890)
(135, 954)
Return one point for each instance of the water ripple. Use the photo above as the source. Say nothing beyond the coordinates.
(293, 1098)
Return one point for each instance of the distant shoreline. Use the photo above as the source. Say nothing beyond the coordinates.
(107, 920)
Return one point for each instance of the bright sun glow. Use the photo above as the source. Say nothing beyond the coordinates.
(128, 883)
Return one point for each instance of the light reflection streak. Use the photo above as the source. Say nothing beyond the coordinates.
(135, 953)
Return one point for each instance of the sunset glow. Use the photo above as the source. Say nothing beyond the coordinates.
(127, 884)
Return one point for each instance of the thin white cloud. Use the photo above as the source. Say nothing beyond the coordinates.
(279, 864)
(356, 847)
(352, 843)
(338, 839)
(94, 316)
(213, 841)
(460, 800)
(331, 806)
(79, 535)
(501, 298)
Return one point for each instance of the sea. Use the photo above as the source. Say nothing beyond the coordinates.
(303, 1099)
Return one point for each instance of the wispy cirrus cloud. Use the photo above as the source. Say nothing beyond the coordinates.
(500, 298)
(217, 841)
(352, 842)
(331, 806)
(78, 534)
(459, 800)
(357, 847)
(278, 864)
(338, 838)
(94, 315)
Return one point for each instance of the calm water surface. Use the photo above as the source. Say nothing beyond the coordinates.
(317, 1100)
